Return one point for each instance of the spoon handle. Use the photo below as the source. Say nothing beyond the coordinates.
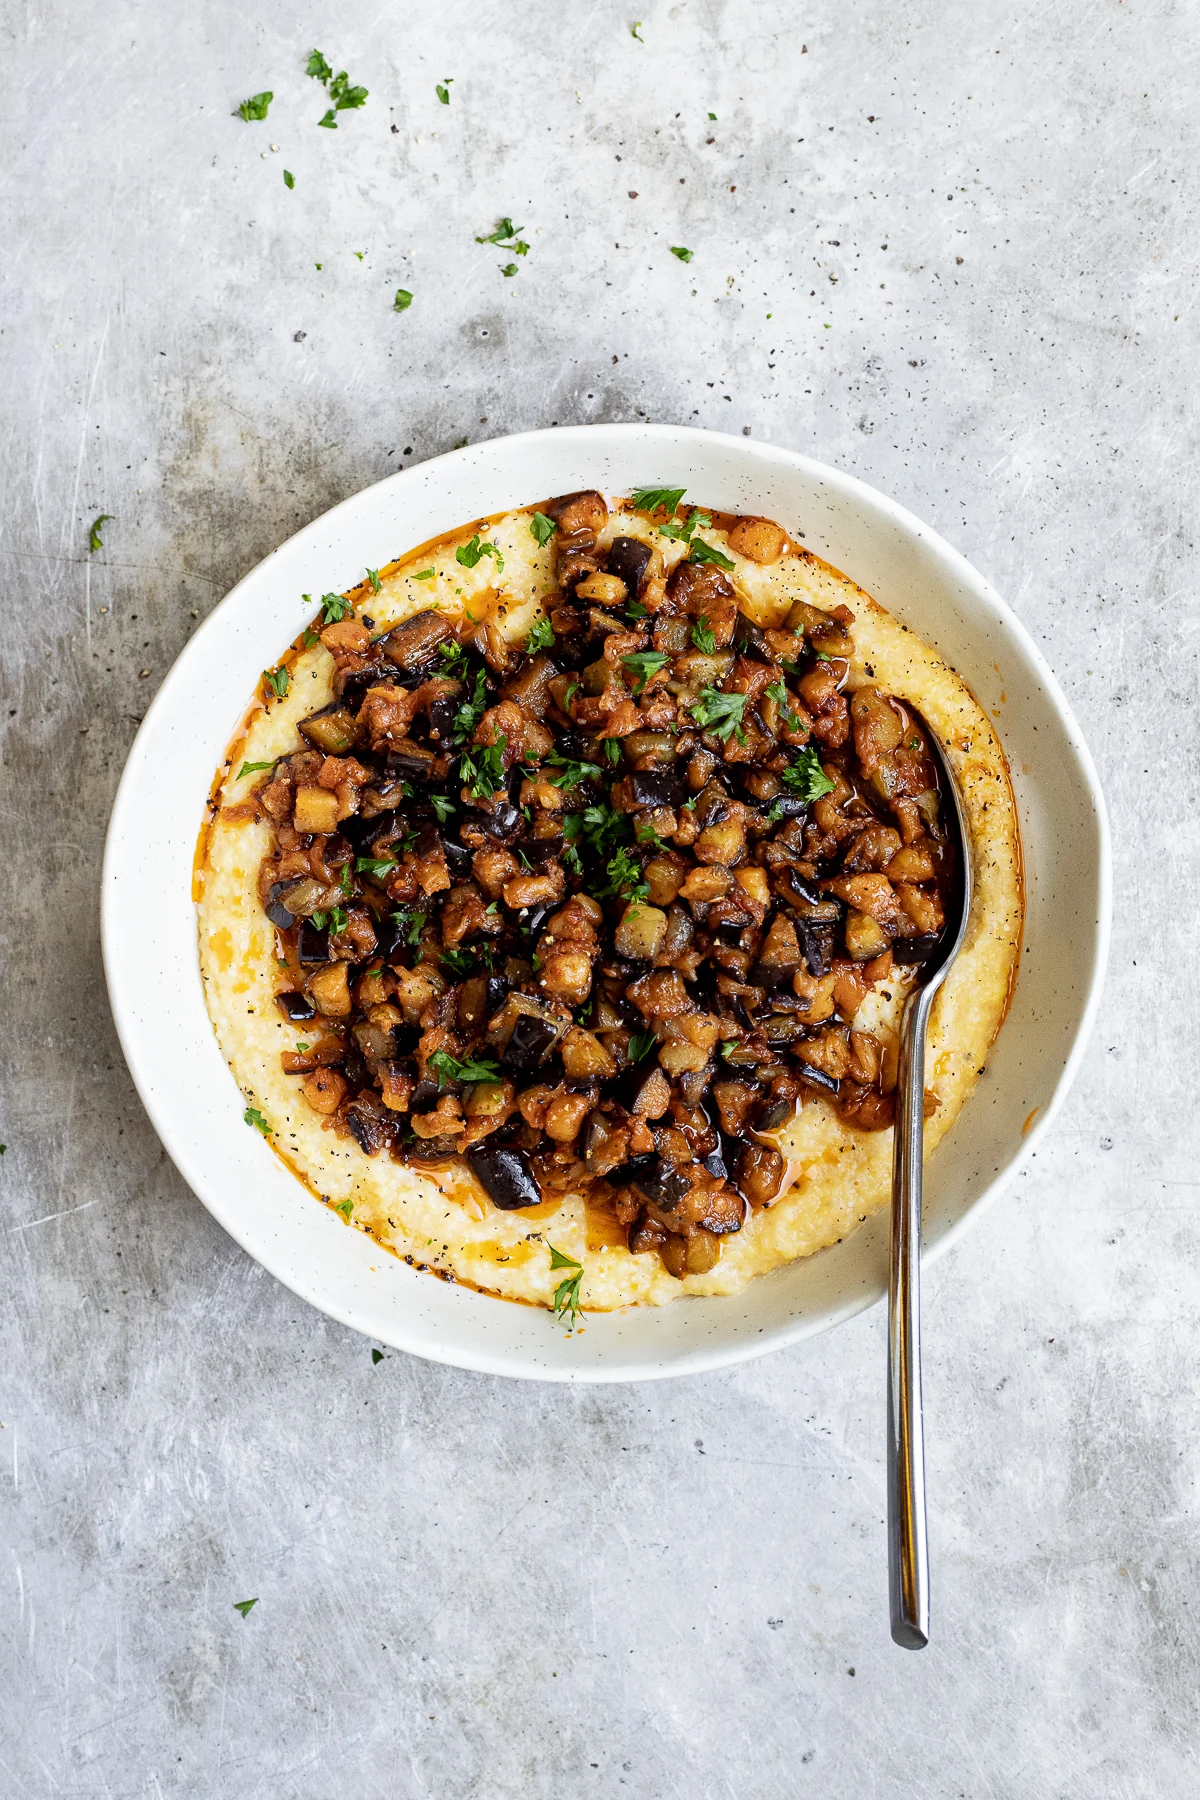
(908, 1547)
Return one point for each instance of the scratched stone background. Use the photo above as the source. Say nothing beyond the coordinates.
(950, 249)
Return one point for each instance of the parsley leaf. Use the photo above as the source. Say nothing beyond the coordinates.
(469, 554)
(95, 541)
(482, 771)
(460, 961)
(334, 609)
(680, 531)
(471, 711)
(720, 713)
(625, 878)
(277, 681)
(541, 528)
(376, 1357)
(249, 768)
(401, 303)
(776, 691)
(256, 106)
(566, 1294)
(448, 1068)
(505, 229)
(424, 575)
(443, 806)
(806, 777)
(635, 31)
(451, 651)
(243, 1606)
(289, 180)
(705, 553)
(612, 750)
(443, 91)
(252, 1116)
(641, 1044)
(683, 254)
(345, 1207)
(541, 637)
(343, 95)
(650, 499)
(643, 664)
(702, 636)
(373, 578)
(378, 866)
(318, 68)
(572, 773)
(570, 856)
(411, 923)
(509, 269)
(599, 826)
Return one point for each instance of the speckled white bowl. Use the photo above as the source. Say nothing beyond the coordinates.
(149, 921)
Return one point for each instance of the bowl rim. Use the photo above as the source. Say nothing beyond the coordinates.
(700, 1358)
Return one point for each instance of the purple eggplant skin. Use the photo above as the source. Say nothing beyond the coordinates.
(505, 1176)
(661, 1185)
(531, 1039)
(314, 944)
(656, 787)
(629, 558)
(915, 949)
(296, 1007)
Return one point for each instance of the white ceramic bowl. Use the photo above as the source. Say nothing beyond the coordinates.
(149, 921)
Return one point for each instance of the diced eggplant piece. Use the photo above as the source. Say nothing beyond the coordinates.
(334, 729)
(412, 760)
(780, 1030)
(629, 558)
(661, 1184)
(442, 714)
(373, 1126)
(816, 1078)
(716, 1165)
(504, 1174)
(785, 806)
(503, 822)
(297, 1007)
(773, 1114)
(313, 945)
(655, 787)
(641, 933)
(414, 643)
(602, 624)
(530, 1042)
(916, 949)
(530, 688)
(749, 641)
(277, 912)
(458, 860)
(816, 945)
(298, 898)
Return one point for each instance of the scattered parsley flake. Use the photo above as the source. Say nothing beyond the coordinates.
(249, 768)
(345, 1207)
(541, 528)
(641, 1044)
(651, 499)
(252, 1116)
(643, 664)
(401, 303)
(471, 711)
(570, 774)
(806, 777)
(373, 578)
(377, 1355)
(612, 750)
(334, 608)
(702, 636)
(378, 866)
(411, 923)
(625, 878)
(448, 1068)
(720, 713)
(509, 269)
(277, 681)
(468, 554)
(289, 180)
(95, 541)
(682, 253)
(635, 31)
(705, 553)
(443, 90)
(318, 68)
(776, 691)
(482, 771)
(256, 106)
(424, 574)
(540, 638)
(443, 806)
(243, 1606)
(566, 1294)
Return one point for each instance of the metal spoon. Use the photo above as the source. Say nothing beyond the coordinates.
(908, 1547)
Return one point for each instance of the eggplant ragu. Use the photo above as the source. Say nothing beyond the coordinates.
(598, 915)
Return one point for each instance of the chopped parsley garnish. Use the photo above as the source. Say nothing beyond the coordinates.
(95, 541)
(651, 499)
(334, 609)
(469, 554)
(345, 882)
(641, 1044)
(541, 528)
(443, 90)
(570, 774)
(705, 553)
(509, 269)
(318, 68)
(344, 96)
(471, 711)
(635, 31)
(625, 878)
(569, 695)
(729, 1046)
(373, 578)
(806, 777)
(776, 691)
(702, 636)
(643, 664)
(256, 106)
(277, 681)
(337, 920)
(401, 303)
(451, 651)
(481, 771)
(249, 768)
(345, 1207)
(421, 574)
(448, 1068)
(680, 530)
(566, 1294)
(682, 253)
(540, 638)
(243, 1606)
(252, 1116)
(612, 750)
(646, 834)
(600, 827)
(411, 923)
(378, 866)
(720, 713)
(377, 1355)
(443, 806)
(289, 180)
(509, 235)
(570, 856)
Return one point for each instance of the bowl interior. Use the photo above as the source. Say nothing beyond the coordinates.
(149, 923)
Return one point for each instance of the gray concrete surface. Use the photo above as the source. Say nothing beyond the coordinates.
(951, 249)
